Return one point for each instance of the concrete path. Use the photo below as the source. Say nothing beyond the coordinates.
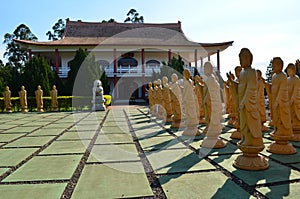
(123, 153)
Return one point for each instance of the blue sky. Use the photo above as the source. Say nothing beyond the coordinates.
(268, 28)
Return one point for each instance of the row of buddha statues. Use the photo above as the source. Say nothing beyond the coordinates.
(186, 104)
(23, 99)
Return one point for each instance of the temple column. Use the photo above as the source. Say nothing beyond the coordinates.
(29, 54)
(208, 57)
(169, 55)
(196, 57)
(143, 74)
(218, 60)
(115, 73)
(201, 59)
(56, 61)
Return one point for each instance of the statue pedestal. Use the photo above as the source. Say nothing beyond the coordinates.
(296, 136)
(40, 110)
(191, 131)
(98, 105)
(250, 159)
(202, 120)
(281, 145)
(8, 110)
(236, 135)
(24, 110)
(212, 142)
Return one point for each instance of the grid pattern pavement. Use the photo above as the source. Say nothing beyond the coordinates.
(124, 153)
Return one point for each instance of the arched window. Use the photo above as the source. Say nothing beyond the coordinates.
(127, 61)
(103, 63)
(152, 63)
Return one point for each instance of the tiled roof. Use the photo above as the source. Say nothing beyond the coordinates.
(80, 33)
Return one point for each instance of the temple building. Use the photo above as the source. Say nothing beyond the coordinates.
(129, 52)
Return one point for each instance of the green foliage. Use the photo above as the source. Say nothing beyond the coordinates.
(111, 20)
(74, 68)
(269, 72)
(58, 30)
(174, 66)
(133, 17)
(104, 80)
(15, 54)
(5, 76)
(37, 72)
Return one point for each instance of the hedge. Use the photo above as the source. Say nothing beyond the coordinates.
(65, 103)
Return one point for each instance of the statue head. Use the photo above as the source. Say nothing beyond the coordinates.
(54, 87)
(174, 77)
(197, 79)
(7, 88)
(237, 71)
(149, 84)
(165, 80)
(186, 74)
(277, 64)
(291, 69)
(158, 82)
(39, 87)
(259, 73)
(208, 69)
(246, 58)
(97, 83)
(22, 88)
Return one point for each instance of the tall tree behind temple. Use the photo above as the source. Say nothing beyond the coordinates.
(14, 53)
(133, 17)
(269, 72)
(58, 30)
(37, 72)
(74, 68)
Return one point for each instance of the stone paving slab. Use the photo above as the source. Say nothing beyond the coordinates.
(46, 168)
(80, 135)
(275, 173)
(30, 141)
(177, 160)
(103, 181)
(197, 186)
(6, 137)
(29, 191)
(113, 153)
(3, 170)
(66, 147)
(114, 138)
(282, 191)
(160, 143)
(12, 157)
(46, 132)
(115, 129)
(23, 129)
(293, 158)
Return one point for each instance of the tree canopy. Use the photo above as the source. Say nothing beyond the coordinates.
(17, 55)
(58, 30)
(134, 17)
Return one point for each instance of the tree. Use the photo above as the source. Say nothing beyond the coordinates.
(37, 72)
(269, 72)
(174, 66)
(6, 73)
(111, 20)
(58, 30)
(133, 17)
(17, 56)
(74, 68)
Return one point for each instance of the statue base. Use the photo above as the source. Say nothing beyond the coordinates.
(250, 159)
(281, 145)
(24, 110)
(98, 107)
(191, 131)
(8, 110)
(296, 137)
(54, 109)
(264, 128)
(40, 110)
(202, 121)
(236, 135)
(213, 143)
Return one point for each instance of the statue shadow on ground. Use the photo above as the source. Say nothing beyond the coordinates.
(252, 181)
(180, 167)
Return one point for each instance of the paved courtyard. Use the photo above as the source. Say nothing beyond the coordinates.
(122, 153)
